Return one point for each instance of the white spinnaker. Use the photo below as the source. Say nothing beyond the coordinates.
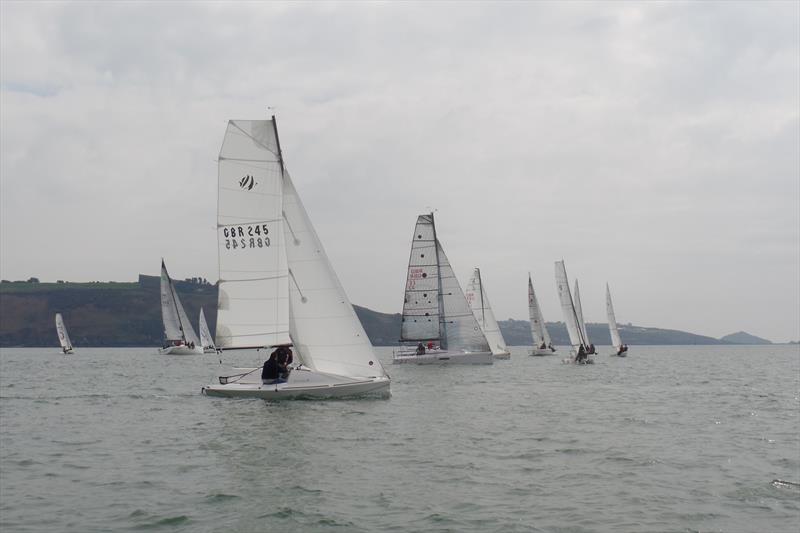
(173, 329)
(567, 307)
(206, 340)
(253, 303)
(326, 331)
(420, 320)
(534, 314)
(460, 329)
(475, 294)
(616, 341)
(576, 298)
(63, 336)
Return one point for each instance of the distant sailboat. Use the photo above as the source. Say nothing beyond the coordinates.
(581, 322)
(437, 320)
(63, 336)
(206, 339)
(180, 336)
(482, 309)
(620, 350)
(542, 345)
(277, 288)
(575, 332)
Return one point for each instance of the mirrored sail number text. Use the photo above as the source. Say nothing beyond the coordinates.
(246, 236)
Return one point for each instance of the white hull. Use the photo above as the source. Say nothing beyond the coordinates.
(67, 352)
(180, 350)
(541, 351)
(502, 355)
(302, 383)
(441, 357)
(572, 361)
(209, 350)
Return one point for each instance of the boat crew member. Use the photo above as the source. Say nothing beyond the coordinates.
(420, 349)
(269, 374)
(581, 354)
(543, 346)
(283, 359)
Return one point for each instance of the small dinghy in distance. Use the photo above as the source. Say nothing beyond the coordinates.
(178, 331)
(575, 332)
(437, 323)
(542, 345)
(482, 309)
(206, 339)
(277, 287)
(63, 336)
(620, 350)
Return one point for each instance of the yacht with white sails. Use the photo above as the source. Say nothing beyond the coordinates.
(482, 309)
(178, 331)
(620, 350)
(277, 288)
(542, 345)
(568, 309)
(206, 339)
(438, 326)
(63, 336)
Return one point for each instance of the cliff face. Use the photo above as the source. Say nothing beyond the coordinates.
(129, 314)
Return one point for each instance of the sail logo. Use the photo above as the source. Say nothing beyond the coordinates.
(247, 183)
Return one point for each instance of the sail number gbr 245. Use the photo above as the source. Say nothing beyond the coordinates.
(246, 236)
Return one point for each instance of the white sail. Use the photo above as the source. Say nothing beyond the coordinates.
(420, 321)
(253, 302)
(576, 298)
(326, 331)
(459, 328)
(538, 331)
(616, 341)
(567, 307)
(475, 294)
(206, 339)
(63, 336)
(176, 323)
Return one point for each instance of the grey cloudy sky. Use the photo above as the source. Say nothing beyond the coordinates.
(655, 146)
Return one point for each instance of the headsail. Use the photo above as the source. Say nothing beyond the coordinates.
(482, 309)
(63, 336)
(567, 307)
(538, 331)
(206, 339)
(176, 323)
(421, 306)
(253, 304)
(576, 297)
(616, 341)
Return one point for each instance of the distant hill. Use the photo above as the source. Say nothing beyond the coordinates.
(129, 314)
(741, 337)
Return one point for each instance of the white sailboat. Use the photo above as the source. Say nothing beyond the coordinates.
(620, 350)
(277, 287)
(570, 317)
(482, 309)
(178, 331)
(206, 339)
(437, 320)
(542, 345)
(581, 322)
(63, 336)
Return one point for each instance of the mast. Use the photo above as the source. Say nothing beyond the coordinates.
(442, 317)
(483, 308)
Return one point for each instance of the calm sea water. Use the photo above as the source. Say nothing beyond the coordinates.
(668, 439)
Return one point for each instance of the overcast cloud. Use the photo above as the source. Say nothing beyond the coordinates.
(655, 146)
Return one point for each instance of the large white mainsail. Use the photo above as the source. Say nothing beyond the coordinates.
(63, 336)
(253, 302)
(576, 297)
(482, 309)
(616, 341)
(538, 327)
(176, 323)
(567, 307)
(206, 339)
(422, 304)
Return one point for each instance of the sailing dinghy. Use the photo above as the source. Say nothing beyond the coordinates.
(437, 323)
(63, 336)
(542, 345)
(482, 309)
(575, 332)
(277, 287)
(206, 339)
(620, 350)
(180, 336)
